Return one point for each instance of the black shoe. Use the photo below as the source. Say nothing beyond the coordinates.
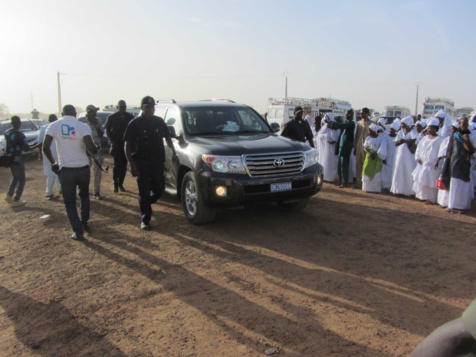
(122, 188)
(116, 190)
(97, 196)
(77, 236)
(145, 226)
(86, 228)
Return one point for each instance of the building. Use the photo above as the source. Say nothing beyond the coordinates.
(432, 105)
(466, 111)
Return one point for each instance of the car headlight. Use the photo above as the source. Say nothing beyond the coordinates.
(310, 158)
(224, 164)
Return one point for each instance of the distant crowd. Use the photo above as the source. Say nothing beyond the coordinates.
(432, 159)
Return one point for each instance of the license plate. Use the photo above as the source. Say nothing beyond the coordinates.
(282, 186)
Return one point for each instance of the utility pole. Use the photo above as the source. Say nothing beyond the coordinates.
(59, 91)
(416, 102)
(285, 74)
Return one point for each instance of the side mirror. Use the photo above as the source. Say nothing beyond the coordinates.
(275, 127)
(172, 132)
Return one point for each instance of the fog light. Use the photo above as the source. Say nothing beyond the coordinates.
(220, 191)
(319, 180)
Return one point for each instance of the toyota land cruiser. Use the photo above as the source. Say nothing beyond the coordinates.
(229, 156)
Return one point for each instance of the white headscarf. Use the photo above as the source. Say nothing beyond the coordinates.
(408, 121)
(455, 124)
(395, 124)
(330, 116)
(423, 123)
(433, 122)
(375, 128)
(382, 121)
(440, 114)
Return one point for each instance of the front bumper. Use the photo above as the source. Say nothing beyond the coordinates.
(242, 189)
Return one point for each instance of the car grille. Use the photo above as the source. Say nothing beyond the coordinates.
(274, 164)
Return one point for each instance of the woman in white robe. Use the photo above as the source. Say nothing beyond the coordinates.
(375, 149)
(389, 164)
(427, 171)
(326, 145)
(402, 180)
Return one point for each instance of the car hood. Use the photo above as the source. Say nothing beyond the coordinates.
(245, 143)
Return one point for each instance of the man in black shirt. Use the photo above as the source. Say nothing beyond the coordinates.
(146, 154)
(116, 125)
(298, 129)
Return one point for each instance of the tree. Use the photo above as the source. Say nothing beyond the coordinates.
(4, 111)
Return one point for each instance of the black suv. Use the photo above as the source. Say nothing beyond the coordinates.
(229, 156)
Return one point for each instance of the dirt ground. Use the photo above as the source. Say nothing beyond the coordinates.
(355, 274)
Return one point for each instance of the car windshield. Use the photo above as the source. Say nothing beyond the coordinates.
(4, 126)
(27, 126)
(223, 120)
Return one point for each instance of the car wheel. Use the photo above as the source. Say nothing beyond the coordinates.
(192, 201)
(294, 206)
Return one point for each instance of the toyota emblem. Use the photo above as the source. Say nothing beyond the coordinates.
(279, 163)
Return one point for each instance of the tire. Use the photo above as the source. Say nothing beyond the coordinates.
(193, 204)
(294, 206)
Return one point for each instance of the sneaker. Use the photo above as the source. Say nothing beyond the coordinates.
(97, 196)
(9, 200)
(77, 236)
(121, 188)
(144, 226)
(18, 203)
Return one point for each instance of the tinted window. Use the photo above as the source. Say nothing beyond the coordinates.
(28, 126)
(221, 120)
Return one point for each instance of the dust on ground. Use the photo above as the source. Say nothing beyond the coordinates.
(354, 274)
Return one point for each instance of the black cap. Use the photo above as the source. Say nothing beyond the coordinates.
(148, 100)
(297, 109)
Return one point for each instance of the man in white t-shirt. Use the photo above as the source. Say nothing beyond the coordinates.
(51, 178)
(72, 140)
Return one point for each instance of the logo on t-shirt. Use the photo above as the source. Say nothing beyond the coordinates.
(67, 130)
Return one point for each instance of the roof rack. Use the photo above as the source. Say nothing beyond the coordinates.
(166, 100)
(218, 100)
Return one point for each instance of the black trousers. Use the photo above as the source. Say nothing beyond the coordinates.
(120, 164)
(151, 183)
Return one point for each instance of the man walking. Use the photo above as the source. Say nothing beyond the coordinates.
(361, 134)
(346, 143)
(116, 125)
(96, 159)
(16, 143)
(145, 151)
(51, 177)
(72, 140)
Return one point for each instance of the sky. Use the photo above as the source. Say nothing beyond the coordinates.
(370, 52)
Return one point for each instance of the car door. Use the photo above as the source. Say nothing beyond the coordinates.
(172, 119)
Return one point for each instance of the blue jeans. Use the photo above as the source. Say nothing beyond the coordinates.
(18, 180)
(70, 179)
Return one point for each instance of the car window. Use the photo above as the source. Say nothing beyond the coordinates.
(27, 126)
(172, 119)
(217, 120)
(4, 127)
(160, 112)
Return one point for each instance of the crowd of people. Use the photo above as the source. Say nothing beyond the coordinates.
(71, 149)
(432, 159)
